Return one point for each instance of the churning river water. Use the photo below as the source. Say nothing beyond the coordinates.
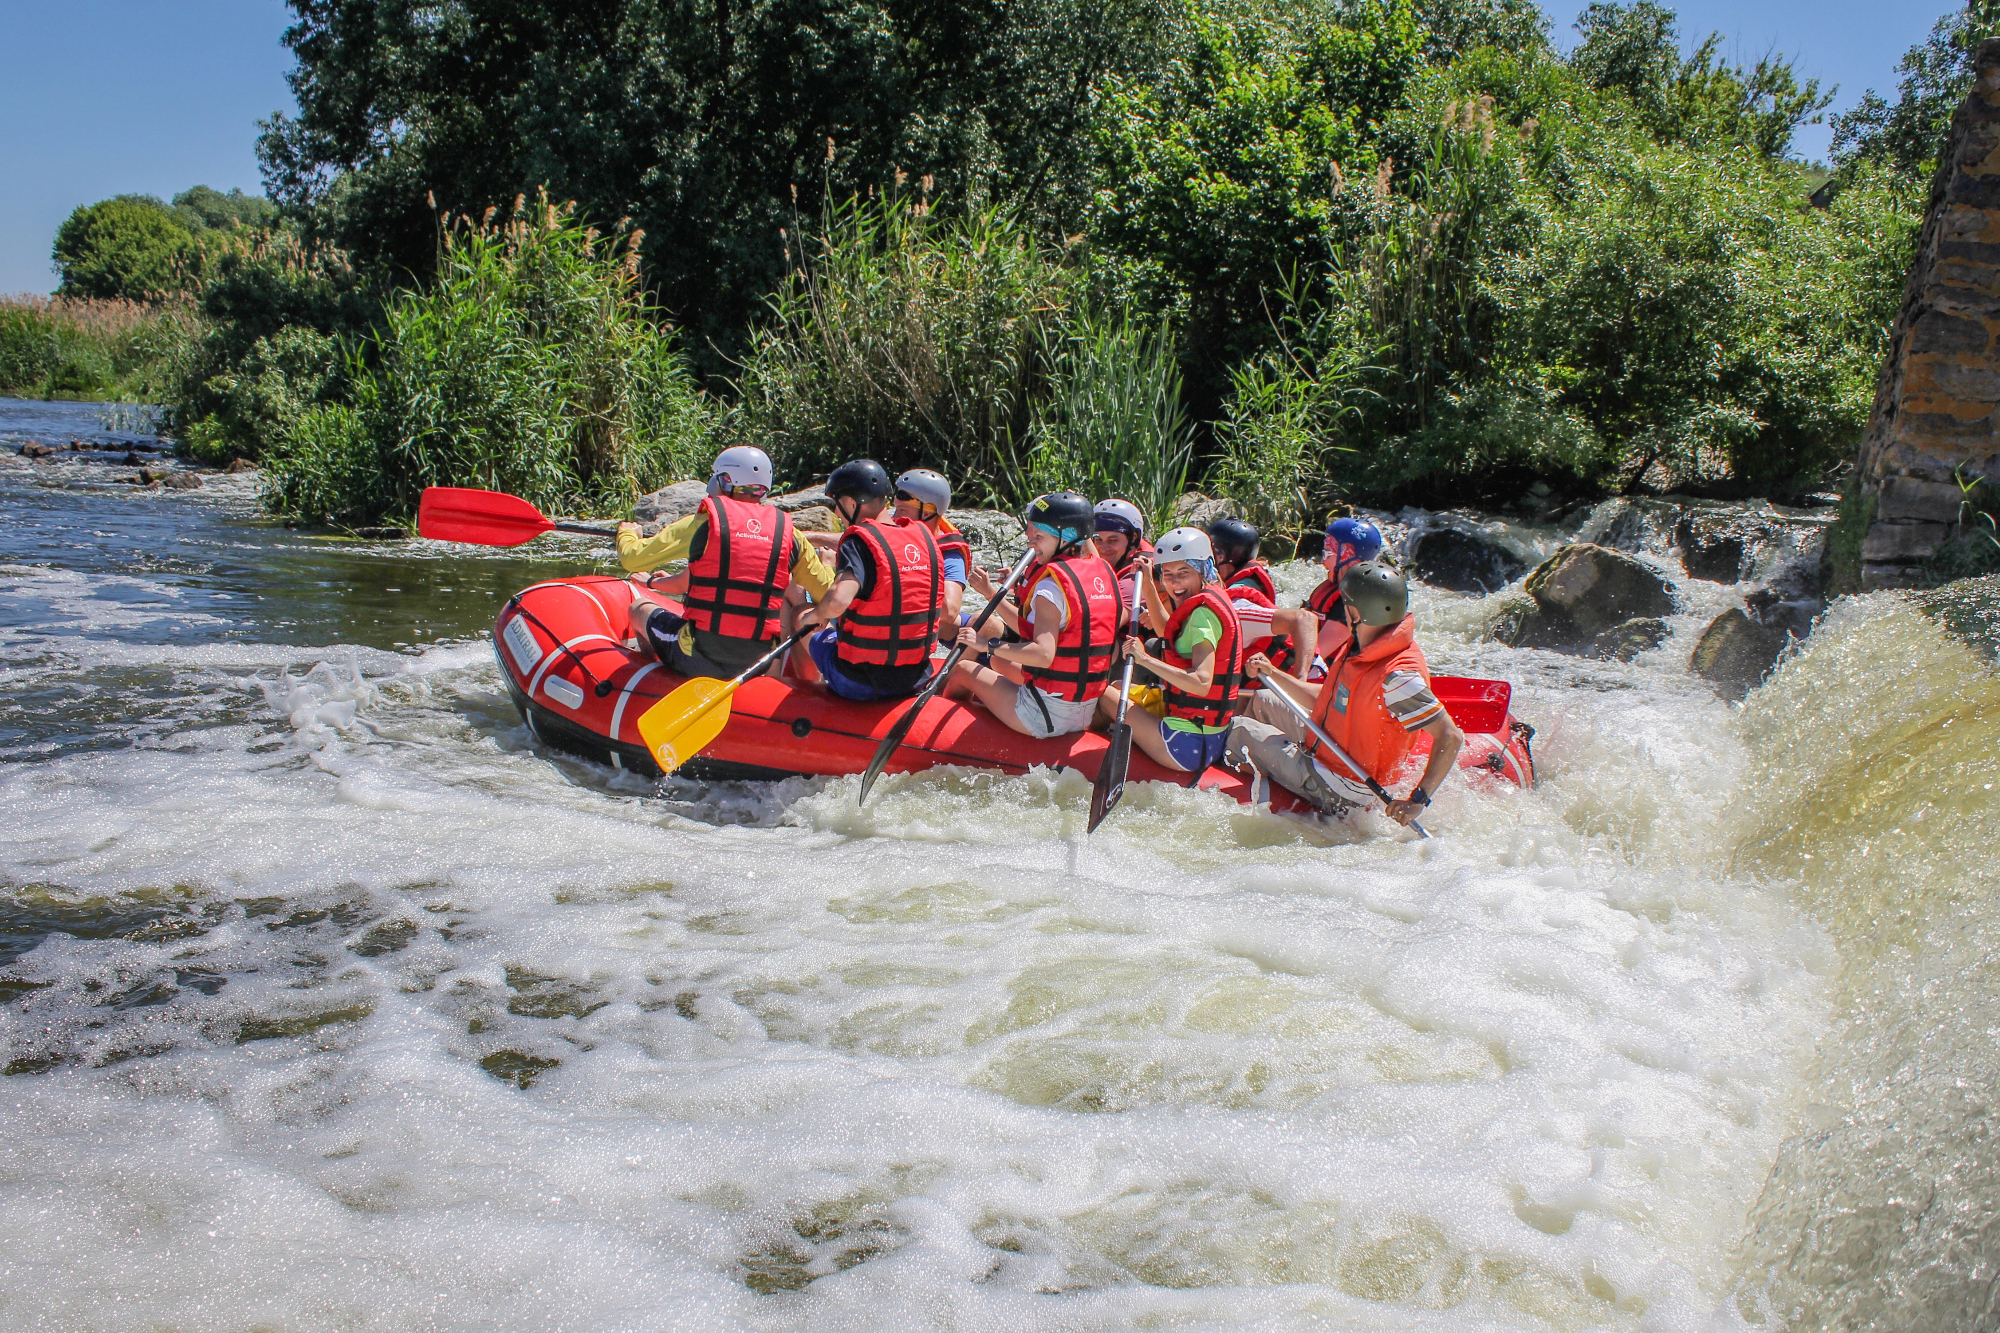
(331, 1001)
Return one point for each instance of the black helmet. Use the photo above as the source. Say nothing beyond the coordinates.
(1234, 540)
(862, 479)
(1065, 513)
(1377, 592)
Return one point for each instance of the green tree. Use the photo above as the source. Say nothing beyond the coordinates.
(130, 247)
(1908, 136)
(713, 124)
(202, 208)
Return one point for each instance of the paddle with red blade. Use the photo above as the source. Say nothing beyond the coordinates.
(488, 518)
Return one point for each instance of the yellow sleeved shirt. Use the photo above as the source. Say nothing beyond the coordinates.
(673, 542)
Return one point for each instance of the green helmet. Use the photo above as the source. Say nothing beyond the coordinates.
(1376, 592)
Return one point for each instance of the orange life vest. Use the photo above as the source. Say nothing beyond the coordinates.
(1089, 636)
(953, 540)
(1321, 600)
(737, 583)
(896, 623)
(1218, 705)
(1351, 709)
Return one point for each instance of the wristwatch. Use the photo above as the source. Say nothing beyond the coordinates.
(1419, 795)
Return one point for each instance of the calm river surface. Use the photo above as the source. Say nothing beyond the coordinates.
(332, 1002)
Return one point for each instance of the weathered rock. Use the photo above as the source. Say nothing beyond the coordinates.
(238, 466)
(995, 536)
(1736, 653)
(1936, 415)
(1448, 551)
(1628, 640)
(1195, 510)
(817, 519)
(1728, 543)
(132, 458)
(1633, 524)
(384, 534)
(794, 501)
(170, 478)
(1582, 592)
(669, 502)
(36, 449)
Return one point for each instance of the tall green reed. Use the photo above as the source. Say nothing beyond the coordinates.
(1112, 422)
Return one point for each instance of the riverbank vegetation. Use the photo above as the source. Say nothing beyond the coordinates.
(1352, 251)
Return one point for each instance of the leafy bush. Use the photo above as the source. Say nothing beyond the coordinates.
(530, 367)
(129, 248)
(907, 336)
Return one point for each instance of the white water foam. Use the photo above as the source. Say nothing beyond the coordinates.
(427, 1029)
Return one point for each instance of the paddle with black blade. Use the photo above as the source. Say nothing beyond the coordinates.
(678, 727)
(488, 518)
(894, 740)
(1110, 784)
(1298, 711)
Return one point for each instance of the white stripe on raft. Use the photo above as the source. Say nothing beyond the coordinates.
(552, 658)
(625, 696)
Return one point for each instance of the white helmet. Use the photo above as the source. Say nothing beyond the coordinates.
(1123, 512)
(930, 487)
(740, 465)
(1189, 544)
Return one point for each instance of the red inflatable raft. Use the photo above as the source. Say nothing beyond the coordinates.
(580, 689)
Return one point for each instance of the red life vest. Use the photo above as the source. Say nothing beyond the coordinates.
(1351, 709)
(1089, 636)
(737, 583)
(1218, 705)
(896, 623)
(1320, 601)
(1256, 578)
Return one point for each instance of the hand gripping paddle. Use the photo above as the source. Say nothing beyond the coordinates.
(487, 518)
(894, 740)
(1306, 719)
(679, 726)
(1110, 784)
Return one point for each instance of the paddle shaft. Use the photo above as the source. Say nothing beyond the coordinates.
(1298, 711)
(585, 528)
(1110, 784)
(894, 740)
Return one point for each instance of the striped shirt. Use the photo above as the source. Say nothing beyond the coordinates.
(1409, 699)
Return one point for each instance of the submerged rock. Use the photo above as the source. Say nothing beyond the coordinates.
(238, 466)
(1628, 640)
(1586, 598)
(167, 477)
(1736, 653)
(1448, 551)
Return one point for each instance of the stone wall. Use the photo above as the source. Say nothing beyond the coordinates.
(1937, 407)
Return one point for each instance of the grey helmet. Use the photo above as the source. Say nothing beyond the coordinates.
(742, 465)
(1376, 592)
(926, 487)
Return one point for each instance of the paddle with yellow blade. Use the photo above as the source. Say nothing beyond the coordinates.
(678, 727)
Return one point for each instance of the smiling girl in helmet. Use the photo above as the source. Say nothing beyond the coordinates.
(1200, 664)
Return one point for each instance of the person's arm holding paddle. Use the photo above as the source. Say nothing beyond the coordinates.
(1004, 609)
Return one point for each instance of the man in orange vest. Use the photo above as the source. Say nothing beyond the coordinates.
(742, 554)
(1375, 699)
(881, 617)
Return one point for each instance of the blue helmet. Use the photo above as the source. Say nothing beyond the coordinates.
(1350, 540)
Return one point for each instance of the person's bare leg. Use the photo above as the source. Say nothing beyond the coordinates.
(999, 695)
(1146, 735)
(803, 666)
(639, 613)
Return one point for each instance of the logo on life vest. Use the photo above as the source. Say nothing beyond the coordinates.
(912, 556)
(754, 526)
(1097, 586)
(1340, 700)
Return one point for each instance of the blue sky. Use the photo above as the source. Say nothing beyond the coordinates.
(104, 97)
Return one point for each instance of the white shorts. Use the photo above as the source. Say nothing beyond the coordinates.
(1044, 715)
